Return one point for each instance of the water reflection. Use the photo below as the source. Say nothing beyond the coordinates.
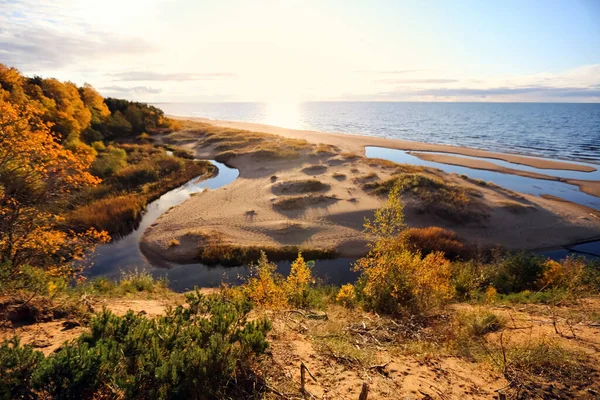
(284, 114)
(124, 254)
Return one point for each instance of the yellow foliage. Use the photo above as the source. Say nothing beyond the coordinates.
(565, 274)
(263, 287)
(346, 295)
(36, 173)
(298, 279)
(267, 289)
(395, 279)
(490, 294)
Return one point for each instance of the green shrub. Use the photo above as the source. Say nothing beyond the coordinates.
(110, 162)
(17, 364)
(193, 351)
(98, 146)
(480, 323)
(517, 272)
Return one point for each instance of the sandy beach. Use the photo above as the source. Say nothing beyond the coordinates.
(319, 197)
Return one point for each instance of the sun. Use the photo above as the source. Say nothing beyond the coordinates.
(284, 113)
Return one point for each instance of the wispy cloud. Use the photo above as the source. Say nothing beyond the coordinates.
(504, 91)
(37, 36)
(426, 81)
(38, 48)
(130, 90)
(136, 76)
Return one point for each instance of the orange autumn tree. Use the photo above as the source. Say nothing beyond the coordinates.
(37, 178)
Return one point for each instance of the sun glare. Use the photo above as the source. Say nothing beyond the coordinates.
(284, 113)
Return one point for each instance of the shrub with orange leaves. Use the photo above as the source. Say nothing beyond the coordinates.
(346, 295)
(566, 274)
(264, 287)
(434, 238)
(394, 279)
(297, 281)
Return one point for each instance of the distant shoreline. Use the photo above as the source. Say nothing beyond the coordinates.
(352, 139)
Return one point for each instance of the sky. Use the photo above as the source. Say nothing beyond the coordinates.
(312, 50)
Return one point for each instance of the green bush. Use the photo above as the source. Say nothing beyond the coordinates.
(191, 352)
(517, 272)
(109, 162)
(17, 364)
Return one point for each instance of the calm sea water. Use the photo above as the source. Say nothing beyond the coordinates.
(569, 131)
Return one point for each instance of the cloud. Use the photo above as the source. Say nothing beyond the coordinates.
(398, 71)
(505, 91)
(40, 36)
(131, 90)
(158, 76)
(420, 81)
(47, 48)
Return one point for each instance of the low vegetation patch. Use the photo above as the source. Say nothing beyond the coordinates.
(229, 143)
(300, 186)
(448, 201)
(233, 255)
(433, 239)
(292, 203)
(197, 351)
(118, 202)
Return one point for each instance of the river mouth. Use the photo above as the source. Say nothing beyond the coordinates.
(123, 255)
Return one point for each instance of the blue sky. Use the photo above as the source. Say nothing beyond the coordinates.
(290, 51)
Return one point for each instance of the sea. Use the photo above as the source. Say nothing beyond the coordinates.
(568, 131)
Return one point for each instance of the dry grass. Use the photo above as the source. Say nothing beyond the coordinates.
(399, 168)
(289, 203)
(300, 186)
(339, 176)
(326, 149)
(450, 202)
(516, 208)
(433, 238)
(112, 214)
(371, 176)
(229, 143)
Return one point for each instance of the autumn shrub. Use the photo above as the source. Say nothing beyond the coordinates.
(394, 279)
(264, 287)
(469, 278)
(297, 283)
(346, 295)
(194, 351)
(268, 289)
(433, 238)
